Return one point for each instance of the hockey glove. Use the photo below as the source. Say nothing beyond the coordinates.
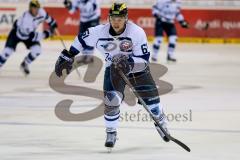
(123, 63)
(34, 37)
(184, 24)
(47, 33)
(65, 61)
(67, 4)
(31, 36)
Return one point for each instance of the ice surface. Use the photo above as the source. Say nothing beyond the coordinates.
(206, 83)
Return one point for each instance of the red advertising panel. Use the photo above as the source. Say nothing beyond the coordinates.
(221, 23)
(68, 24)
(7, 18)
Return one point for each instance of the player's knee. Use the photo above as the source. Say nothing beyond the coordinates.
(158, 40)
(7, 52)
(155, 109)
(172, 39)
(113, 98)
(35, 50)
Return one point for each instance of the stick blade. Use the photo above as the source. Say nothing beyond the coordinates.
(184, 146)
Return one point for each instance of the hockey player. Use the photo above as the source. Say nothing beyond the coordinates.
(165, 12)
(24, 30)
(89, 17)
(124, 46)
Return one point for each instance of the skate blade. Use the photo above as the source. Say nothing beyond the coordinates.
(109, 149)
(24, 73)
(171, 62)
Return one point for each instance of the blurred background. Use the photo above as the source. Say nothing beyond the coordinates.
(221, 16)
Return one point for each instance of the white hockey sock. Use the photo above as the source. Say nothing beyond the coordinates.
(111, 122)
(171, 49)
(172, 45)
(156, 46)
(35, 52)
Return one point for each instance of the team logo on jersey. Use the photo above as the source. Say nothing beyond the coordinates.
(110, 46)
(126, 45)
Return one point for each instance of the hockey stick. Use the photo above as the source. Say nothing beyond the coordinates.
(65, 47)
(150, 113)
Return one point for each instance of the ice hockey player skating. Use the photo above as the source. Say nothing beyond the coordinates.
(124, 47)
(24, 30)
(89, 17)
(165, 12)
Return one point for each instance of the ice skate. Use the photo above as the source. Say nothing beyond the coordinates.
(171, 59)
(110, 140)
(24, 68)
(163, 123)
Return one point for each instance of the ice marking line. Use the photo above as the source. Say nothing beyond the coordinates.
(125, 127)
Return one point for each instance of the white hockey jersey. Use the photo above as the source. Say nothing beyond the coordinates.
(132, 41)
(28, 23)
(89, 10)
(168, 10)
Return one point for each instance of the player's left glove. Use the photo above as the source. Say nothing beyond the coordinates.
(65, 61)
(123, 63)
(184, 24)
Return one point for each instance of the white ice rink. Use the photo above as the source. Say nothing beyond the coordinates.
(206, 83)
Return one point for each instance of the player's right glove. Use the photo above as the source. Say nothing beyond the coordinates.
(123, 63)
(47, 33)
(37, 36)
(67, 4)
(184, 24)
(33, 36)
(65, 61)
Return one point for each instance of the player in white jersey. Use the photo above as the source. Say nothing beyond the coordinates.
(90, 12)
(165, 12)
(24, 30)
(124, 47)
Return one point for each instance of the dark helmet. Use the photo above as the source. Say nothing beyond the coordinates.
(34, 3)
(118, 9)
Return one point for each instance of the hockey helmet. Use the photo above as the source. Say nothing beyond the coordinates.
(118, 9)
(34, 3)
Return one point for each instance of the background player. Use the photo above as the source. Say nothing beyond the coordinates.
(24, 30)
(165, 12)
(124, 46)
(89, 17)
